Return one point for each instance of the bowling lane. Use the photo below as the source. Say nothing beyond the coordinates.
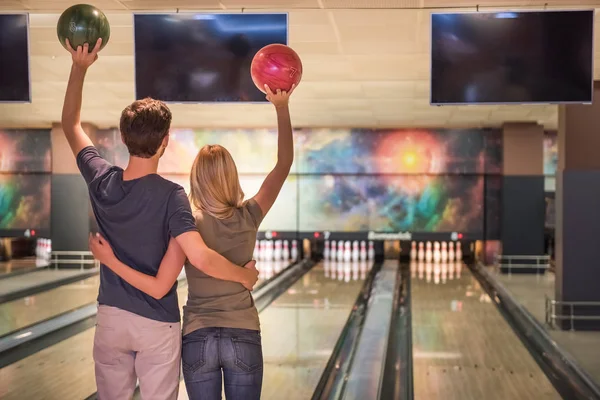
(21, 265)
(29, 310)
(38, 278)
(301, 327)
(64, 371)
(462, 347)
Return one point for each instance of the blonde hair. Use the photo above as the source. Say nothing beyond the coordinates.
(214, 184)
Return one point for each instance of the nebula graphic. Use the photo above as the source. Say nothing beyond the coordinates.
(351, 180)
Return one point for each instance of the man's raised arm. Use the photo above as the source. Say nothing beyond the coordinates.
(71, 114)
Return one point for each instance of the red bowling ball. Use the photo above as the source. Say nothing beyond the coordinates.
(277, 66)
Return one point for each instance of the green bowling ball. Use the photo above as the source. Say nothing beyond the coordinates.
(82, 24)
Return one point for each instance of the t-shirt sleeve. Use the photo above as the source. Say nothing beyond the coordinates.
(255, 212)
(91, 164)
(180, 217)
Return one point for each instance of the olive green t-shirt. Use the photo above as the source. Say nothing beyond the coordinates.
(213, 302)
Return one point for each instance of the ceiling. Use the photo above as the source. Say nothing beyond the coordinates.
(366, 64)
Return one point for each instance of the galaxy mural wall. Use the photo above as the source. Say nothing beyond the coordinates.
(356, 180)
(25, 176)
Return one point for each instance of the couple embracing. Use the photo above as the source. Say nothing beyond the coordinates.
(148, 231)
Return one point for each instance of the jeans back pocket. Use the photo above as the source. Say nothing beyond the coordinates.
(248, 352)
(193, 352)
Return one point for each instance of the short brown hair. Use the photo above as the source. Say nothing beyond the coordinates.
(144, 124)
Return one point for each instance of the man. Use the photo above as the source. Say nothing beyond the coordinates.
(145, 218)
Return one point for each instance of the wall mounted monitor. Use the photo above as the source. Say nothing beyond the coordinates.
(202, 57)
(14, 58)
(512, 57)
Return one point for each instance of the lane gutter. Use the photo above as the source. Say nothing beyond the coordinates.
(568, 378)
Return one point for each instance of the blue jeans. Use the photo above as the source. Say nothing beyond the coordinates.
(211, 354)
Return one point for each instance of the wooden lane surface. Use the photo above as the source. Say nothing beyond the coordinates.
(26, 311)
(64, 371)
(299, 331)
(463, 348)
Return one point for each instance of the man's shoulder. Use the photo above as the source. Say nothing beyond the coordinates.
(167, 183)
(172, 189)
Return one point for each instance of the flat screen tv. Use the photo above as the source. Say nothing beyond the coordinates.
(14, 58)
(202, 57)
(512, 57)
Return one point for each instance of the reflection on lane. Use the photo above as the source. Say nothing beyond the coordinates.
(64, 371)
(33, 280)
(29, 310)
(25, 311)
(301, 327)
(462, 347)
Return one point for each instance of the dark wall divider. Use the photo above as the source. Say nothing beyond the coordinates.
(577, 235)
(69, 215)
(523, 215)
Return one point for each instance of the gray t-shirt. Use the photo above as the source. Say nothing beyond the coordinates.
(138, 218)
(213, 302)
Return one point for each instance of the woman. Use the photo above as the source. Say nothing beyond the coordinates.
(221, 332)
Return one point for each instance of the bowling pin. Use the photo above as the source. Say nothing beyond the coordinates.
(347, 251)
(421, 270)
(278, 251)
(256, 253)
(270, 252)
(458, 252)
(371, 252)
(333, 252)
(451, 271)
(355, 252)
(451, 251)
(326, 250)
(436, 252)
(444, 252)
(363, 250)
(286, 250)
(340, 252)
(263, 250)
(294, 252)
(428, 271)
(421, 253)
(436, 274)
(428, 252)
(413, 250)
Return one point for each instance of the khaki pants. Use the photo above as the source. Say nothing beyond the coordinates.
(127, 348)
